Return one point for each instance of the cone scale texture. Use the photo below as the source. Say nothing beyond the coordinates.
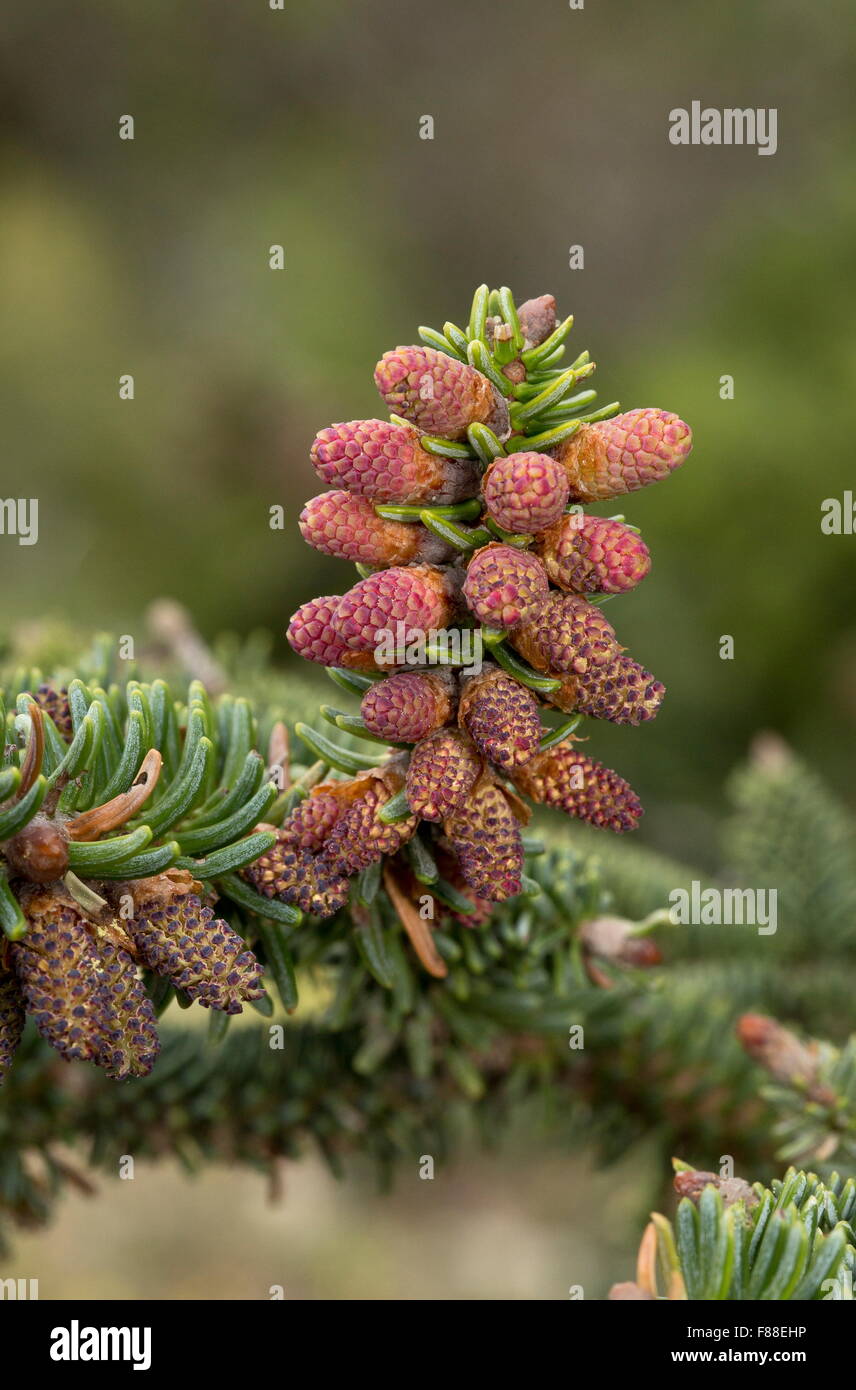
(437, 393)
(525, 492)
(313, 635)
(296, 876)
(570, 781)
(359, 838)
(408, 706)
(631, 451)
(503, 586)
(420, 599)
(485, 836)
(443, 769)
(385, 462)
(622, 692)
(202, 956)
(501, 717)
(566, 634)
(84, 991)
(349, 528)
(593, 555)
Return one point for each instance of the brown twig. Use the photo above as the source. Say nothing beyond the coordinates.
(32, 764)
(417, 929)
(90, 824)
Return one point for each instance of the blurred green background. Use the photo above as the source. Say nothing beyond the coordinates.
(301, 127)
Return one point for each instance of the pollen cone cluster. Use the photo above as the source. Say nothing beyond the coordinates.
(121, 820)
(79, 975)
(475, 612)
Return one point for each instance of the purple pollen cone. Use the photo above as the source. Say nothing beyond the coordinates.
(571, 782)
(593, 555)
(622, 692)
(443, 769)
(83, 989)
(567, 634)
(202, 955)
(504, 586)
(295, 874)
(485, 836)
(501, 717)
(359, 838)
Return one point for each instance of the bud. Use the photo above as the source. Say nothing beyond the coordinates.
(789, 1060)
(439, 394)
(593, 555)
(691, 1182)
(442, 771)
(626, 453)
(615, 939)
(349, 528)
(359, 839)
(39, 852)
(537, 319)
(566, 634)
(11, 1019)
(571, 782)
(408, 706)
(501, 717)
(525, 492)
(485, 836)
(420, 598)
(386, 463)
(621, 691)
(504, 586)
(83, 989)
(202, 955)
(313, 636)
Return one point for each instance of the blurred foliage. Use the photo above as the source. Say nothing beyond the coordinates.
(383, 1063)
